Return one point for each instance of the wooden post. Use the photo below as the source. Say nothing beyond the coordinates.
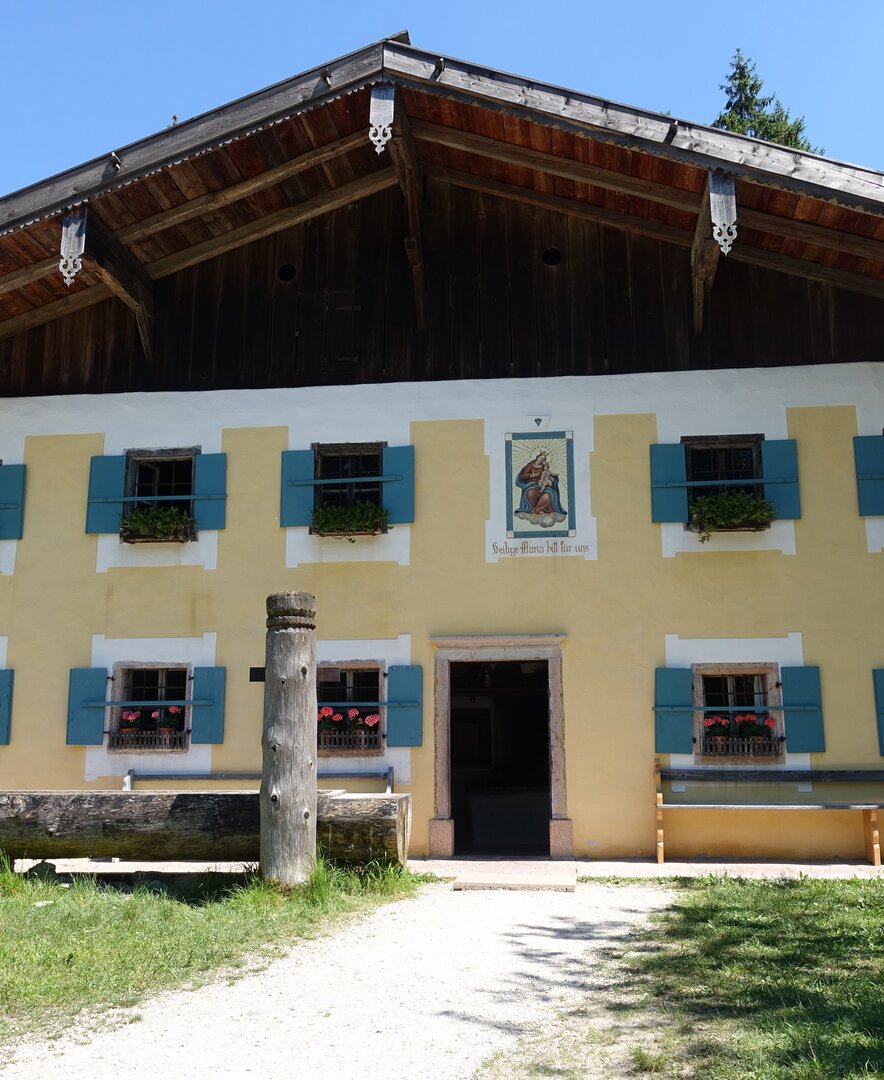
(288, 786)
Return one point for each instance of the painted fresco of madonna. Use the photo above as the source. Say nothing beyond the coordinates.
(541, 502)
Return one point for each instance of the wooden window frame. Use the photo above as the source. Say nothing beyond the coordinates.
(120, 691)
(342, 450)
(773, 705)
(138, 455)
(360, 665)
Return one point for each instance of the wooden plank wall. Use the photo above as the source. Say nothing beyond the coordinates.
(331, 301)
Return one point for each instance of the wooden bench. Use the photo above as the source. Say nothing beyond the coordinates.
(133, 774)
(773, 776)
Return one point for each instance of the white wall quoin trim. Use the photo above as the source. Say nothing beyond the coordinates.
(107, 652)
(8, 549)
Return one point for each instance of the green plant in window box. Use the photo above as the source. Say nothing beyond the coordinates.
(730, 510)
(157, 523)
(358, 519)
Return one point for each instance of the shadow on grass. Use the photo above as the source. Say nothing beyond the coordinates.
(787, 972)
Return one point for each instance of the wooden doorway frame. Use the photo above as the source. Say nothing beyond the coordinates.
(477, 649)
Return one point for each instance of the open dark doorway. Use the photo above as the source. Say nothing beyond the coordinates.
(500, 780)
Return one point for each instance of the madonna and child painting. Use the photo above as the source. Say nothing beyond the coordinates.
(539, 484)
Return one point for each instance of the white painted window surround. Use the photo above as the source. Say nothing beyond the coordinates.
(110, 653)
(686, 652)
(4, 643)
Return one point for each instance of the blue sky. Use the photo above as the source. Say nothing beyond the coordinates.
(79, 80)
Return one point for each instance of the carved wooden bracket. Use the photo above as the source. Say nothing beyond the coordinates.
(723, 210)
(85, 238)
(715, 233)
(380, 115)
(405, 162)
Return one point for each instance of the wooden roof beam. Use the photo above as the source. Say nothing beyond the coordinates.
(525, 158)
(215, 200)
(405, 162)
(571, 207)
(85, 239)
(273, 223)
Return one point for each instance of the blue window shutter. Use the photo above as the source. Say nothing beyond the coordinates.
(398, 495)
(803, 709)
(12, 501)
(210, 490)
(405, 721)
(868, 451)
(296, 500)
(86, 722)
(779, 461)
(878, 680)
(674, 727)
(107, 475)
(668, 467)
(5, 705)
(207, 721)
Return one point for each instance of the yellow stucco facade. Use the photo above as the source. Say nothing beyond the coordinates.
(615, 610)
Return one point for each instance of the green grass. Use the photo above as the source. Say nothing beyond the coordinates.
(90, 946)
(771, 980)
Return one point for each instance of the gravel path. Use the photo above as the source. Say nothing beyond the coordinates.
(429, 987)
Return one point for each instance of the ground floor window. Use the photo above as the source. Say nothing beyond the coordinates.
(740, 715)
(151, 714)
(350, 711)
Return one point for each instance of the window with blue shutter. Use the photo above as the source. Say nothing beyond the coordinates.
(779, 464)
(107, 481)
(210, 491)
(328, 485)
(878, 683)
(207, 711)
(12, 501)
(405, 705)
(673, 711)
(669, 493)
(701, 466)
(5, 705)
(86, 705)
(803, 709)
(868, 452)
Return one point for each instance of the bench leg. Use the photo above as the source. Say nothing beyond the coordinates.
(659, 808)
(873, 842)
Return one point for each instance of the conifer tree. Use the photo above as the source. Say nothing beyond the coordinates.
(749, 112)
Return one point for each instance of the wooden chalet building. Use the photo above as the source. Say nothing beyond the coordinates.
(469, 357)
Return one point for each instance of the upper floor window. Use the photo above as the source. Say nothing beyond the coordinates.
(722, 457)
(347, 489)
(160, 482)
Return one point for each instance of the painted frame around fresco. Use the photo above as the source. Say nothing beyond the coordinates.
(522, 448)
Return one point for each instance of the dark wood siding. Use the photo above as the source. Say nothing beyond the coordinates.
(614, 303)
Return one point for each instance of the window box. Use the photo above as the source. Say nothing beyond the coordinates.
(730, 511)
(348, 521)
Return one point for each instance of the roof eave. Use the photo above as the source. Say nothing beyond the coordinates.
(637, 129)
(191, 138)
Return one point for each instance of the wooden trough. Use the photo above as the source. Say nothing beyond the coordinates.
(180, 825)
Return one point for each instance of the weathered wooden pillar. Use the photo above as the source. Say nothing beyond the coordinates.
(288, 786)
